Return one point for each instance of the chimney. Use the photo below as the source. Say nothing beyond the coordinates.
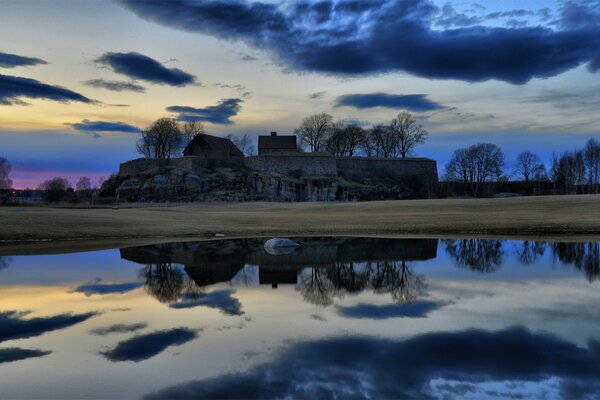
(273, 133)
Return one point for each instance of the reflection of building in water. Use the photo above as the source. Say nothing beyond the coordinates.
(336, 266)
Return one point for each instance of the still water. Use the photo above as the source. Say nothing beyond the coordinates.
(337, 317)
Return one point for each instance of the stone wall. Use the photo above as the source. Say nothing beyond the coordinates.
(189, 163)
(422, 169)
(301, 164)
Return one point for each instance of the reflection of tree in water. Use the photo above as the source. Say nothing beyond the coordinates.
(584, 256)
(398, 280)
(528, 252)
(483, 255)
(5, 262)
(163, 281)
(321, 286)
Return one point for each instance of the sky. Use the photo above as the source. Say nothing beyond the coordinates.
(80, 79)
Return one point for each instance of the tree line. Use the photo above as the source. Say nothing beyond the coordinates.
(576, 171)
(398, 138)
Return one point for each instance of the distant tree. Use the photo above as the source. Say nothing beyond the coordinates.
(55, 189)
(476, 164)
(244, 143)
(189, 131)
(568, 171)
(84, 183)
(370, 143)
(314, 131)
(385, 144)
(344, 140)
(162, 139)
(592, 162)
(407, 133)
(101, 180)
(5, 168)
(529, 166)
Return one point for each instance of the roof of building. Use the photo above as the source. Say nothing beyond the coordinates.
(277, 142)
(215, 142)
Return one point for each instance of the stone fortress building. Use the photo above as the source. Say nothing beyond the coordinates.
(280, 172)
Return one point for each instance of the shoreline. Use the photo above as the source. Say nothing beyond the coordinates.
(47, 230)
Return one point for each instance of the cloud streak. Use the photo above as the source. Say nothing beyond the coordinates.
(143, 347)
(16, 354)
(95, 128)
(14, 326)
(219, 114)
(219, 299)
(8, 60)
(139, 66)
(417, 309)
(115, 86)
(411, 102)
(359, 38)
(97, 287)
(13, 88)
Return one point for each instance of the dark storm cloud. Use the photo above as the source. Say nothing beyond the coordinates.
(15, 326)
(374, 37)
(13, 88)
(360, 367)
(139, 66)
(94, 128)
(219, 299)
(142, 347)
(115, 86)
(97, 287)
(412, 102)
(12, 60)
(417, 309)
(119, 328)
(16, 354)
(219, 114)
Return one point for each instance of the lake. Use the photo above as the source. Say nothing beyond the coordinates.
(337, 317)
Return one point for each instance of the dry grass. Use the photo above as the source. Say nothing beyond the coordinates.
(525, 216)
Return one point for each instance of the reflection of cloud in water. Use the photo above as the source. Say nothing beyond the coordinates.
(14, 326)
(417, 309)
(97, 287)
(142, 347)
(5, 262)
(370, 367)
(15, 354)
(219, 299)
(119, 328)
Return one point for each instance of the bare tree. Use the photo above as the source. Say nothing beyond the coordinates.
(84, 183)
(344, 140)
(529, 166)
(161, 140)
(386, 145)
(476, 164)
(314, 131)
(54, 189)
(244, 143)
(592, 162)
(5, 168)
(407, 133)
(189, 131)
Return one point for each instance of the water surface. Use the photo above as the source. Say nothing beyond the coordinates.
(346, 317)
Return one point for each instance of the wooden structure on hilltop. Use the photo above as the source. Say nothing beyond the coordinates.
(276, 144)
(212, 147)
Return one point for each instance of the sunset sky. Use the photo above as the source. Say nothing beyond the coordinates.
(79, 79)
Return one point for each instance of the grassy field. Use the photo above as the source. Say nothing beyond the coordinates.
(550, 216)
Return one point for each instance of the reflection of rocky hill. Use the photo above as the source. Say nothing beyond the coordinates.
(333, 261)
(232, 254)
